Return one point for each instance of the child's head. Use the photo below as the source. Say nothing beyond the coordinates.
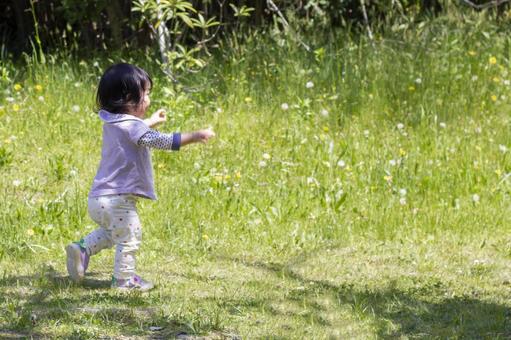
(122, 89)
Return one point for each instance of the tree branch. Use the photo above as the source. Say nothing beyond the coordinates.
(494, 3)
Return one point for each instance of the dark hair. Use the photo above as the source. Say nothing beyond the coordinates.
(121, 86)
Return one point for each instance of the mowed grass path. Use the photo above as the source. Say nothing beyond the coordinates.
(375, 203)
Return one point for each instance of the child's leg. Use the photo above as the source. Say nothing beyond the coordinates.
(121, 226)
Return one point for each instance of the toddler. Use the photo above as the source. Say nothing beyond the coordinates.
(125, 173)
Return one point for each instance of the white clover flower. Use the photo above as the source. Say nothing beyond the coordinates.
(366, 133)
(77, 84)
(341, 163)
(284, 106)
(400, 126)
(502, 148)
(478, 130)
(418, 81)
(10, 99)
(262, 164)
(219, 110)
(40, 98)
(475, 78)
(402, 201)
(75, 108)
(507, 82)
(324, 113)
(402, 192)
(309, 85)
(73, 173)
(475, 198)
(16, 182)
(392, 162)
(442, 125)
(266, 156)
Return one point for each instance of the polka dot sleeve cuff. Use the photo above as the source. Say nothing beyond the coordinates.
(162, 141)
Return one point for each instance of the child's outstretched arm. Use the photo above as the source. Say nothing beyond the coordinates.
(174, 141)
(199, 136)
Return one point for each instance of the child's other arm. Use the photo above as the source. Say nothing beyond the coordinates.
(156, 118)
(199, 136)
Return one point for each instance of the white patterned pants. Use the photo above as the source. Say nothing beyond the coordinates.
(119, 225)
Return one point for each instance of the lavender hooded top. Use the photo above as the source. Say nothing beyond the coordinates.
(125, 166)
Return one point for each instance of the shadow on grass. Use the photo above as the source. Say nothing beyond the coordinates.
(416, 313)
(49, 296)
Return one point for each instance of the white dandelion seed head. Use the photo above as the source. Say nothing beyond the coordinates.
(475, 198)
(324, 113)
(10, 99)
(40, 98)
(400, 126)
(418, 81)
(266, 156)
(262, 164)
(219, 110)
(309, 85)
(402, 192)
(502, 148)
(16, 182)
(475, 78)
(75, 108)
(393, 162)
(442, 125)
(284, 106)
(507, 82)
(73, 173)
(366, 133)
(341, 163)
(478, 130)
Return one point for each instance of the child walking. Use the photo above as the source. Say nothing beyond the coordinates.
(125, 173)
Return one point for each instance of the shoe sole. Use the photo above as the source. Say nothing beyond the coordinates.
(73, 263)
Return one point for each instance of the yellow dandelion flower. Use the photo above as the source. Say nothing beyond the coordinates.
(492, 60)
(161, 166)
(7, 141)
(472, 53)
(15, 107)
(326, 129)
(227, 177)
(238, 174)
(30, 232)
(498, 172)
(205, 237)
(18, 87)
(38, 88)
(402, 152)
(387, 178)
(248, 100)
(411, 88)
(494, 98)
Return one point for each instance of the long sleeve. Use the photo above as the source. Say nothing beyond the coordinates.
(162, 141)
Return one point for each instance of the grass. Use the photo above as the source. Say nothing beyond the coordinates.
(376, 206)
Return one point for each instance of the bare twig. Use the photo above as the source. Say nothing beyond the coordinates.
(494, 3)
(366, 20)
(275, 9)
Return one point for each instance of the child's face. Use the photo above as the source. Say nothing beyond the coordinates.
(142, 107)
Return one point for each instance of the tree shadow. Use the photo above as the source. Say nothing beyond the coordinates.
(414, 313)
(38, 298)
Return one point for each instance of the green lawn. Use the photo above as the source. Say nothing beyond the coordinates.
(373, 204)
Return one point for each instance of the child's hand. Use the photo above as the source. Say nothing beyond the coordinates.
(204, 135)
(159, 116)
